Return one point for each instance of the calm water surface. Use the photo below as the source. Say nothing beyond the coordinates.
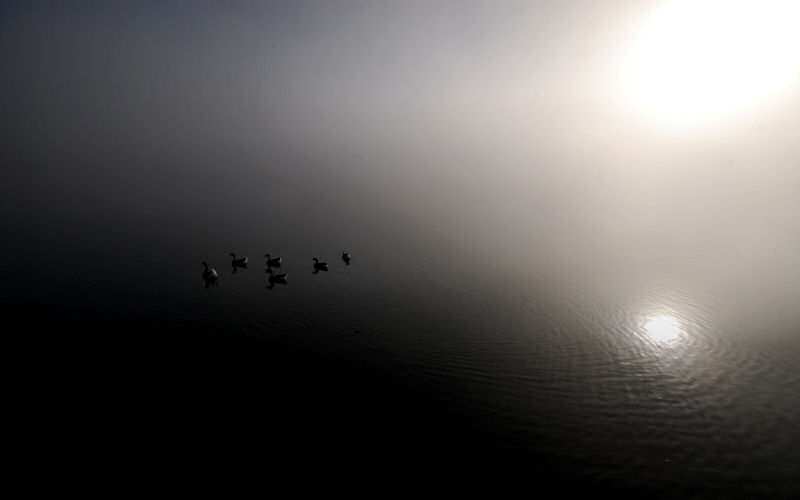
(571, 349)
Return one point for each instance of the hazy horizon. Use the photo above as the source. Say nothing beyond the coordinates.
(524, 185)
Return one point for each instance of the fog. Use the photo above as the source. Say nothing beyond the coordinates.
(497, 121)
(549, 282)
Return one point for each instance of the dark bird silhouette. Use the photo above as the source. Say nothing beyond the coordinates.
(276, 278)
(210, 275)
(240, 262)
(346, 258)
(273, 262)
(319, 266)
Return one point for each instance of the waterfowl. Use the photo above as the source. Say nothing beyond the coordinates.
(319, 266)
(276, 278)
(240, 262)
(209, 275)
(346, 258)
(273, 262)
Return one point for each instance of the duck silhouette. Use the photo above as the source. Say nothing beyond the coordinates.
(346, 258)
(210, 275)
(236, 263)
(276, 278)
(273, 262)
(319, 266)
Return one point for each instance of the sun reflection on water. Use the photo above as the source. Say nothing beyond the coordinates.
(663, 329)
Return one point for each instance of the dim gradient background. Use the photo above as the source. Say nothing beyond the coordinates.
(575, 257)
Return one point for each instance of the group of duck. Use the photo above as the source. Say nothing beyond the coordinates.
(211, 276)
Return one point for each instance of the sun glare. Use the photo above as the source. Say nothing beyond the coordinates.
(701, 61)
(663, 329)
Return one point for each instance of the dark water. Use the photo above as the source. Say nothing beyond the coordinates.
(599, 353)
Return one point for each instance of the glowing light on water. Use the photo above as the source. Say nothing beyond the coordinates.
(663, 329)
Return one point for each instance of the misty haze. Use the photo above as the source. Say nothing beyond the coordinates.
(573, 232)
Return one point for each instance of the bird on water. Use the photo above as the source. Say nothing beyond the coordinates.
(273, 261)
(240, 262)
(346, 258)
(276, 278)
(210, 275)
(319, 266)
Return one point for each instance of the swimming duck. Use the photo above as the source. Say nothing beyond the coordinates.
(273, 262)
(210, 275)
(240, 262)
(319, 266)
(276, 278)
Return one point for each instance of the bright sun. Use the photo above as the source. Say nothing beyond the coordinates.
(699, 61)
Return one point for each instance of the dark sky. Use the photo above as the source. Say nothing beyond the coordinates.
(181, 72)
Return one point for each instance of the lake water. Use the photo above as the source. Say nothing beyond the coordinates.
(595, 331)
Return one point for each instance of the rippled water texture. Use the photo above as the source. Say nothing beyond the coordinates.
(652, 377)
